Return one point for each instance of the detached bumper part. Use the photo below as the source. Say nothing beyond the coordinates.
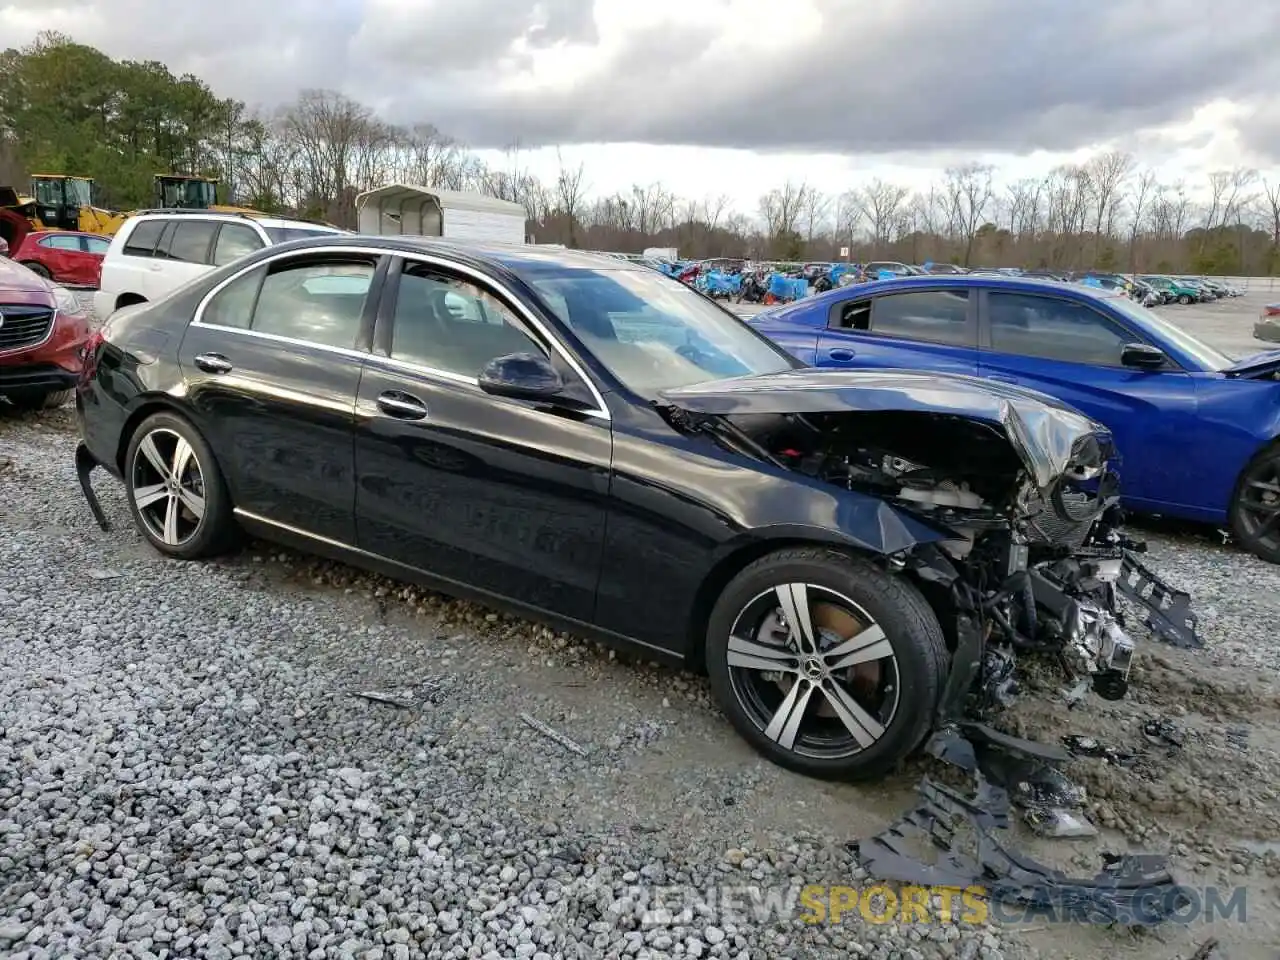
(85, 465)
(1134, 890)
(1168, 612)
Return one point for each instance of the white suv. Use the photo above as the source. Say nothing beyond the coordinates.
(157, 251)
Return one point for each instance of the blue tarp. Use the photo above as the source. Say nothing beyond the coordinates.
(785, 288)
(715, 282)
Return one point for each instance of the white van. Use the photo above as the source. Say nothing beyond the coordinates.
(156, 252)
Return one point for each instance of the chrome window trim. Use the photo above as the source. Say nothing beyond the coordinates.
(601, 411)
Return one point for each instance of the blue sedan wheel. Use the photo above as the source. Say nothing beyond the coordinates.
(1255, 511)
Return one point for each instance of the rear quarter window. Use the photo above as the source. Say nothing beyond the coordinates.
(141, 241)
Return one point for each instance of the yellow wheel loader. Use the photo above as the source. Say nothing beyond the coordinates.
(181, 192)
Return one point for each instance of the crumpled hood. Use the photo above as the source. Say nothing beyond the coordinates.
(1048, 435)
(1268, 361)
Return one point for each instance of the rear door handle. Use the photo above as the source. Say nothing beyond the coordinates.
(841, 356)
(402, 406)
(213, 363)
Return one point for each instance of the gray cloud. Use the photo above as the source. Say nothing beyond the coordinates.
(990, 75)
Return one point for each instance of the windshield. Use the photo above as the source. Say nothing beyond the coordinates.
(78, 192)
(197, 194)
(285, 234)
(1201, 353)
(654, 333)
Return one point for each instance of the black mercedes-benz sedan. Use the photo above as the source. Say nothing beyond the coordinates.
(592, 444)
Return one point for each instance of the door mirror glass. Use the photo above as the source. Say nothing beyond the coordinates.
(521, 376)
(1142, 355)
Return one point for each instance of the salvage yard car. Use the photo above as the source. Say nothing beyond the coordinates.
(579, 439)
(43, 332)
(1198, 431)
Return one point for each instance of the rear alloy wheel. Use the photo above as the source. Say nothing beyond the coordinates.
(1255, 509)
(1185, 299)
(176, 492)
(827, 664)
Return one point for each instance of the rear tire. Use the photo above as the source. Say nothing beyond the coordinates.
(39, 269)
(1184, 299)
(1255, 506)
(40, 399)
(845, 698)
(175, 490)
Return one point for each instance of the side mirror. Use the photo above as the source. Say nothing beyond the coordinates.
(521, 376)
(1143, 355)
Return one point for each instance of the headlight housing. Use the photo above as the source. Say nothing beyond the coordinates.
(66, 302)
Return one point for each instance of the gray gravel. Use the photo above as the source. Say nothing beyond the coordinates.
(188, 769)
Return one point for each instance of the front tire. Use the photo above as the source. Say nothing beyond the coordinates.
(1185, 300)
(1255, 506)
(826, 664)
(175, 489)
(39, 269)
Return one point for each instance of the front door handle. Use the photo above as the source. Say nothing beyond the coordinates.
(402, 406)
(841, 356)
(213, 363)
(1002, 378)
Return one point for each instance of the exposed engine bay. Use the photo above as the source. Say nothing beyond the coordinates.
(1040, 568)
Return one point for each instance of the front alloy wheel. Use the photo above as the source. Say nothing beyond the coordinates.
(176, 492)
(826, 663)
(1255, 510)
(813, 670)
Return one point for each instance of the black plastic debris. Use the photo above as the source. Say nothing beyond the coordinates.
(1079, 746)
(1238, 737)
(1168, 613)
(1164, 733)
(1133, 890)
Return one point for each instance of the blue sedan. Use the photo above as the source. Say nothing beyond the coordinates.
(1199, 432)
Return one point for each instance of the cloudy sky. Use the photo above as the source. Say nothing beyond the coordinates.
(735, 96)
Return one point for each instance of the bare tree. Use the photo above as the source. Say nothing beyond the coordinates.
(782, 207)
(570, 194)
(969, 191)
(880, 205)
(1142, 192)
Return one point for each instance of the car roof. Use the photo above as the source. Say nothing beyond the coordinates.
(993, 281)
(520, 259)
(228, 216)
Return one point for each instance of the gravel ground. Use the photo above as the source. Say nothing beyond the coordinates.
(187, 770)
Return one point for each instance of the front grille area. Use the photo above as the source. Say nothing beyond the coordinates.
(1054, 529)
(23, 325)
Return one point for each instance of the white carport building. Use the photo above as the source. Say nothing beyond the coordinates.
(404, 209)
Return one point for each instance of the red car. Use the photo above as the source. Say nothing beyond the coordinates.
(43, 333)
(64, 256)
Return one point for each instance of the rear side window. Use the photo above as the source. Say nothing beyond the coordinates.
(191, 240)
(141, 241)
(321, 302)
(933, 316)
(95, 244)
(234, 241)
(232, 306)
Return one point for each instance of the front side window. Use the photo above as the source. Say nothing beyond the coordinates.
(1053, 329)
(654, 333)
(317, 301)
(447, 324)
(933, 316)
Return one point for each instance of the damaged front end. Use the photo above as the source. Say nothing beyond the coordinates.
(1033, 562)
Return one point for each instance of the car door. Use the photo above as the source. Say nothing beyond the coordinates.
(1070, 349)
(272, 365)
(184, 252)
(504, 496)
(60, 252)
(910, 329)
